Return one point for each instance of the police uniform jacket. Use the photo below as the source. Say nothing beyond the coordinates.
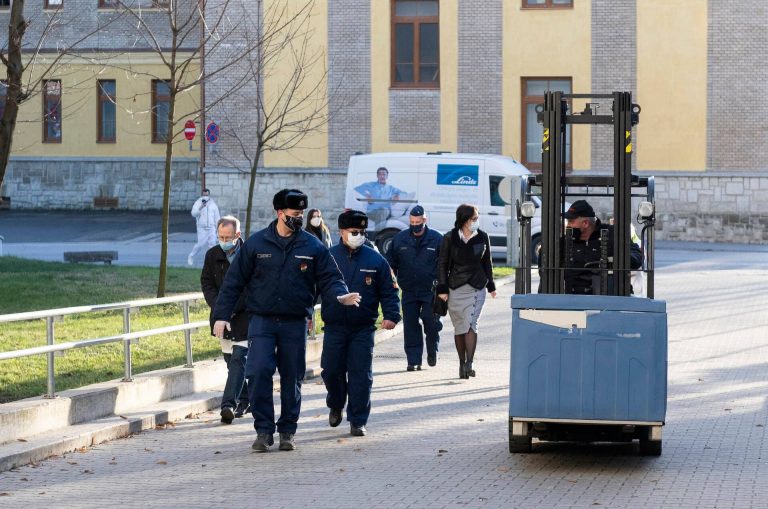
(215, 269)
(414, 259)
(368, 273)
(281, 277)
(585, 254)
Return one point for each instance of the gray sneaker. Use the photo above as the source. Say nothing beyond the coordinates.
(286, 442)
(262, 442)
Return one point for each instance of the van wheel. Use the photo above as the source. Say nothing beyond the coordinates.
(535, 246)
(384, 241)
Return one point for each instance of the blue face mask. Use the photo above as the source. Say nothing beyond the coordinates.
(228, 245)
(417, 228)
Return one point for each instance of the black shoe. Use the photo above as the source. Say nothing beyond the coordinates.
(462, 371)
(262, 442)
(335, 416)
(432, 360)
(414, 367)
(469, 370)
(227, 415)
(286, 442)
(357, 431)
(242, 409)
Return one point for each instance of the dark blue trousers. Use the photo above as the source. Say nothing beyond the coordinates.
(418, 305)
(347, 363)
(281, 344)
(235, 389)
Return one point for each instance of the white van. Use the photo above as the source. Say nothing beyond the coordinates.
(437, 181)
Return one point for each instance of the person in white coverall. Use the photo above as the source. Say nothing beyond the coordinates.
(206, 213)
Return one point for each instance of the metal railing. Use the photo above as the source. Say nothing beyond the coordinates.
(127, 337)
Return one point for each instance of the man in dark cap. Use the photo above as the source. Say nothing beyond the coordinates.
(413, 257)
(582, 275)
(281, 267)
(347, 358)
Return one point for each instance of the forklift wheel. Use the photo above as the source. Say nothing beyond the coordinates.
(519, 444)
(650, 447)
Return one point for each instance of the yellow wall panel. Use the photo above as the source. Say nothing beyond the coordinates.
(545, 43)
(381, 79)
(312, 150)
(672, 84)
(133, 76)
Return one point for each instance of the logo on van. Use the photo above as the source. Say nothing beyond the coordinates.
(457, 174)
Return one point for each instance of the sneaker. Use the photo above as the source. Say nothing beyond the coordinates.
(334, 417)
(227, 415)
(242, 408)
(190, 260)
(414, 367)
(262, 442)
(432, 359)
(286, 442)
(358, 431)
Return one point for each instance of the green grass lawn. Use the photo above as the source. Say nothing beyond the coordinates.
(500, 271)
(27, 285)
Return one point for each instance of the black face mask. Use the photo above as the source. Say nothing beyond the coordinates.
(576, 233)
(294, 223)
(417, 228)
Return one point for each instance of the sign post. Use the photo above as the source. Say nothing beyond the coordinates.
(212, 132)
(189, 131)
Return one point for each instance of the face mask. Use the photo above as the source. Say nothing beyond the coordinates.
(474, 225)
(228, 245)
(576, 233)
(417, 228)
(355, 241)
(316, 222)
(294, 223)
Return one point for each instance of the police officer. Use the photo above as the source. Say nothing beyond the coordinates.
(582, 276)
(347, 358)
(281, 267)
(413, 257)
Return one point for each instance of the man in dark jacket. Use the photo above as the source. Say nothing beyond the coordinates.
(234, 345)
(282, 267)
(413, 258)
(347, 358)
(582, 276)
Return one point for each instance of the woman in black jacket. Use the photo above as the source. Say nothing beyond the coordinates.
(464, 275)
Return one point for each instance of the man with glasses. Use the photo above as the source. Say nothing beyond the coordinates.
(281, 267)
(347, 358)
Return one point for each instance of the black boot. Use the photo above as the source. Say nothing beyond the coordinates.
(462, 371)
(468, 369)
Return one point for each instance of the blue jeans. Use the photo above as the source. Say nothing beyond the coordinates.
(235, 390)
(276, 344)
(347, 363)
(419, 306)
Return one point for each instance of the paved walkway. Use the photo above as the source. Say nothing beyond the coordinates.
(439, 442)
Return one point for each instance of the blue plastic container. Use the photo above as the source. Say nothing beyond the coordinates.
(588, 357)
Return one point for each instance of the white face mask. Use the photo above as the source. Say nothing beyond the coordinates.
(316, 222)
(355, 241)
(474, 225)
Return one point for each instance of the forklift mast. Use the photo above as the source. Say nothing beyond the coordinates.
(554, 182)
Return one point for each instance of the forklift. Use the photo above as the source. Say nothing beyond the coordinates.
(587, 368)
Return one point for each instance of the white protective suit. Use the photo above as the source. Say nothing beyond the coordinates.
(207, 216)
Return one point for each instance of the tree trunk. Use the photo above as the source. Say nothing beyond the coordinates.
(251, 185)
(16, 28)
(167, 194)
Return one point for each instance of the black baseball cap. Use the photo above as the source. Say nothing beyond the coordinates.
(579, 208)
(418, 210)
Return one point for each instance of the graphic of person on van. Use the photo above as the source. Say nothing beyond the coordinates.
(379, 196)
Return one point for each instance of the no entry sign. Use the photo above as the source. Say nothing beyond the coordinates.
(189, 130)
(212, 132)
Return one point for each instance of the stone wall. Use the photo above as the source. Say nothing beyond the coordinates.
(73, 183)
(325, 188)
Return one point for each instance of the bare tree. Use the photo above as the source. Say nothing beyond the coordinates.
(298, 102)
(35, 51)
(190, 31)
